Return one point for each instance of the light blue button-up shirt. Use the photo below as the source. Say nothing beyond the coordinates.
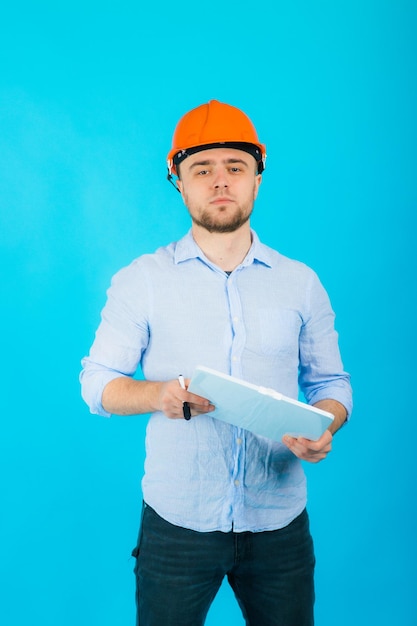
(270, 323)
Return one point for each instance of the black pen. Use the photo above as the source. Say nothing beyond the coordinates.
(185, 406)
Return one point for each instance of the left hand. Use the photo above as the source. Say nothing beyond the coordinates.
(308, 450)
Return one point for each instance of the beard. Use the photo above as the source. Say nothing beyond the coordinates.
(218, 222)
(215, 225)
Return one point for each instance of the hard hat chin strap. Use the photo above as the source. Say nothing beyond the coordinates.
(170, 179)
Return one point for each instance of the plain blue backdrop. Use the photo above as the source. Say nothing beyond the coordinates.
(90, 93)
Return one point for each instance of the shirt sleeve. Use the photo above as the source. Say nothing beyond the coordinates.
(321, 373)
(121, 337)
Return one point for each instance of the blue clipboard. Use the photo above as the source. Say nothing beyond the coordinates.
(263, 411)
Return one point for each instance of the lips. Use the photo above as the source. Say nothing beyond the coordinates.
(221, 200)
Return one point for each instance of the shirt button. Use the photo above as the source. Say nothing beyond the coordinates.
(237, 483)
(238, 441)
(234, 358)
(235, 319)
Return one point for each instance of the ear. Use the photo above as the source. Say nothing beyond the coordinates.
(178, 182)
(258, 180)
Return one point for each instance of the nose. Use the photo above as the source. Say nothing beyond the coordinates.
(220, 179)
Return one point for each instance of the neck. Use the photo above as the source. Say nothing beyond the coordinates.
(226, 250)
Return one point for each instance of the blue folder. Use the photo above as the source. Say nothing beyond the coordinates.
(263, 411)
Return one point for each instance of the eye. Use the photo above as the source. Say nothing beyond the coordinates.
(202, 172)
(235, 169)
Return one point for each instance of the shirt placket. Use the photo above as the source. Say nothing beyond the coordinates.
(236, 352)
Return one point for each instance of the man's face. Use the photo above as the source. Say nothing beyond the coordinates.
(219, 187)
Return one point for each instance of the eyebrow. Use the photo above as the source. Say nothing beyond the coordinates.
(225, 161)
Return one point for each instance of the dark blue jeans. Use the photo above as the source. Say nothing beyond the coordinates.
(179, 571)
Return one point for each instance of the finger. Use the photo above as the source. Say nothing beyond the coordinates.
(313, 446)
(192, 398)
(202, 408)
(306, 449)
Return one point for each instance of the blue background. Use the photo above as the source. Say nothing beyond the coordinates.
(89, 96)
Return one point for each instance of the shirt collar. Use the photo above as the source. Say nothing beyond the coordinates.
(186, 249)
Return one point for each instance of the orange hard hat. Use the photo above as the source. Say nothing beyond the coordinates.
(214, 125)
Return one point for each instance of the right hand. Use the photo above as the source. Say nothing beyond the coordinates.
(171, 398)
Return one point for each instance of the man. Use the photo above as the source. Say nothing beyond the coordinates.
(218, 500)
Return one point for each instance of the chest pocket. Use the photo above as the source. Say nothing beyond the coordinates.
(279, 331)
